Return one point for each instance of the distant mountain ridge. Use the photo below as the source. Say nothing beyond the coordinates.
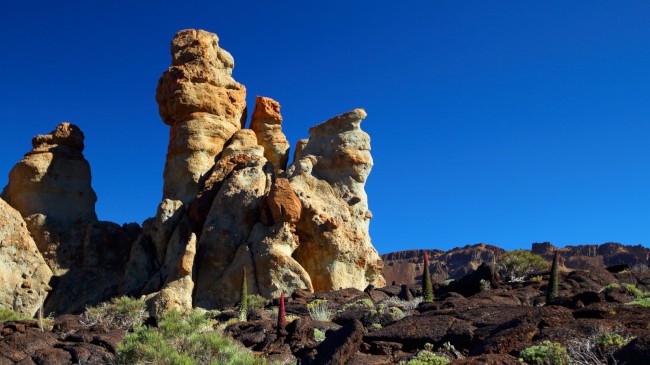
(405, 267)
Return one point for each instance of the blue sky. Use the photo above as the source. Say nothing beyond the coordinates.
(500, 122)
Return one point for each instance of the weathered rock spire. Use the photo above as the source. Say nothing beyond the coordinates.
(204, 106)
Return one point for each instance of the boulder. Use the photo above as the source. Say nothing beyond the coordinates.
(24, 275)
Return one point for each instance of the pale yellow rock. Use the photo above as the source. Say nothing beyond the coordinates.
(328, 176)
(204, 106)
(276, 271)
(243, 142)
(167, 218)
(24, 275)
(176, 293)
(233, 214)
(266, 122)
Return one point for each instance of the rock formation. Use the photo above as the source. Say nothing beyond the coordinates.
(228, 203)
(50, 187)
(328, 176)
(24, 275)
(266, 122)
(405, 267)
(204, 106)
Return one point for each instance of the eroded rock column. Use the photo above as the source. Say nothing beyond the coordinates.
(204, 106)
(266, 122)
(329, 176)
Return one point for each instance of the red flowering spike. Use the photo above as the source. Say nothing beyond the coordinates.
(282, 317)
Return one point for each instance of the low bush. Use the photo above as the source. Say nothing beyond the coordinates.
(123, 312)
(548, 353)
(597, 349)
(516, 265)
(319, 336)
(361, 303)
(257, 301)
(319, 310)
(384, 315)
(183, 340)
(426, 357)
(403, 304)
(9, 315)
(645, 302)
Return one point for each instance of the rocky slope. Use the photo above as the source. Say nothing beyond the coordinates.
(230, 205)
(405, 267)
(490, 325)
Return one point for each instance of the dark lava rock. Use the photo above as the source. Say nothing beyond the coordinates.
(636, 352)
(470, 284)
(349, 316)
(300, 335)
(340, 346)
(489, 359)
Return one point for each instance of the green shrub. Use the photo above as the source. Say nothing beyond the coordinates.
(8, 315)
(257, 301)
(426, 357)
(123, 312)
(610, 342)
(516, 265)
(446, 282)
(182, 340)
(548, 353)
(319, 336)
(384, 315)
(645, 302)
(485, 285)
(361, 303)
(632, 290)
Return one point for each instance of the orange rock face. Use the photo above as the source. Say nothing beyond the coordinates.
(267, 124)
(283, 202)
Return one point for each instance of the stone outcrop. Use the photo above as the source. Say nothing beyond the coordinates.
(406, 267)
(24, 275)
(587, 257)
(51, 189)
(230, 202)
(329, 176)
(266, 122)
(204, 106)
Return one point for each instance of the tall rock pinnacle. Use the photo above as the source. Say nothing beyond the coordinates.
(267, 124)
(51, 188)
(204, 106)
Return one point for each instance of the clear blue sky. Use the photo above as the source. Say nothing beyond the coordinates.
(506, 122)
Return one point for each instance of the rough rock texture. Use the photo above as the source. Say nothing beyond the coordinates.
(266, 122)
(228, 205)
(586, 257)
(24, 275)
(405, 267)
(328, 176)
(50, 187)
(204, 106)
